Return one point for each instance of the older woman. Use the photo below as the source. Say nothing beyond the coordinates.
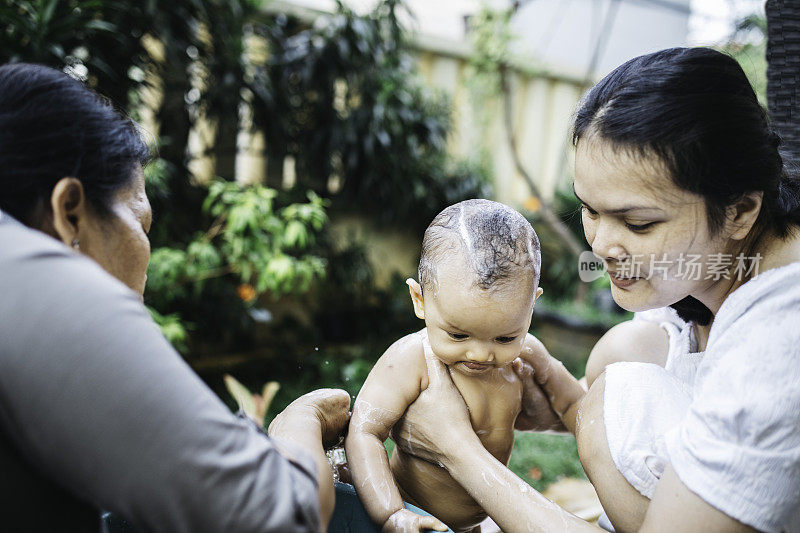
(96, 409)
(696, 425)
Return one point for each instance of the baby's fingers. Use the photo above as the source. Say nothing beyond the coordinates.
(430, 522)
(522, 369)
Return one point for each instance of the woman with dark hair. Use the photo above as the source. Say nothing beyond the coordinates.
(97, 411)
(692, 418)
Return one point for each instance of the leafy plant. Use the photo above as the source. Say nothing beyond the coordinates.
(344, 100)
(261, 246)
(173, 328)
(52, 31)
(253, 404)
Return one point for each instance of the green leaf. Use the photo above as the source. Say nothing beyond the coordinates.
(296, 235)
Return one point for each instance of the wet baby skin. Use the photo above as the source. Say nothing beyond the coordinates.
(476, 333)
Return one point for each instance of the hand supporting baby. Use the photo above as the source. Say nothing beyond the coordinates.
(438, 421)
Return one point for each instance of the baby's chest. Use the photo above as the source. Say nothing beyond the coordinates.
(493, 408)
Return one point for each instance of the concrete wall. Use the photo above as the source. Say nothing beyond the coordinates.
(543, 106)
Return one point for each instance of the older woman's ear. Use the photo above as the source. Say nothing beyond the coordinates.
(68, 207)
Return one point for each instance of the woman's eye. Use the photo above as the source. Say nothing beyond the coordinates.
(505, 340)
(639, 227)
(588, 209)
(457, 336)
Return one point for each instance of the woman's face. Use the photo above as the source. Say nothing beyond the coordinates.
(652, 236)
(119, 243)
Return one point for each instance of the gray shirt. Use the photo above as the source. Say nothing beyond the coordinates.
(95, 398)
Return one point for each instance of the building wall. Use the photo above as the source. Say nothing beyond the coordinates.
(542, 106)
(568, 33)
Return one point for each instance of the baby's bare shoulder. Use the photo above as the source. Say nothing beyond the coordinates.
(392, 385)
(404, 359)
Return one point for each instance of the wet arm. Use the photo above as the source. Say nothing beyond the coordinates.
(391, 386)
(561, 388)
(310, 422)
(513, 504)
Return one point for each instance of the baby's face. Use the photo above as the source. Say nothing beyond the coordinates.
(472, 329)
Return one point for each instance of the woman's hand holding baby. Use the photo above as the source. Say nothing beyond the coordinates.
(437, 424)
(536, 413)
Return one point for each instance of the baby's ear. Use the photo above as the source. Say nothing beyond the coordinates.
(539, 292)
(416, 297)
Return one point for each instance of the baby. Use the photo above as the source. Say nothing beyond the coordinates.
(478, 281)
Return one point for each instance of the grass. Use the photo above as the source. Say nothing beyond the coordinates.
(542, 459)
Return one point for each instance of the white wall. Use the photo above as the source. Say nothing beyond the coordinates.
(566, 33)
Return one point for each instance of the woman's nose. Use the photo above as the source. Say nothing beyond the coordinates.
(606, 245)
(615, 254)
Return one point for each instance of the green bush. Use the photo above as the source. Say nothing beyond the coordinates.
(344, 99)
(252, 243)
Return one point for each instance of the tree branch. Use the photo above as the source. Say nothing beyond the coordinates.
(548, 214)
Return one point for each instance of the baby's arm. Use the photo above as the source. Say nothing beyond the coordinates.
(563, 391)
(392, 385)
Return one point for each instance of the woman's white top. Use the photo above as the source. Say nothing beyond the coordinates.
(727, 419)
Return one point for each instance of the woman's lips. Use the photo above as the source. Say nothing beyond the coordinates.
(622, 282)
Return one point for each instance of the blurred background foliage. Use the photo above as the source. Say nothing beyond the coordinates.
(343, 98)
(233, 262)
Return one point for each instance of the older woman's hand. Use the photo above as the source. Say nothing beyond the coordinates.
(313, 422)
(325, 412)
(436, 422)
